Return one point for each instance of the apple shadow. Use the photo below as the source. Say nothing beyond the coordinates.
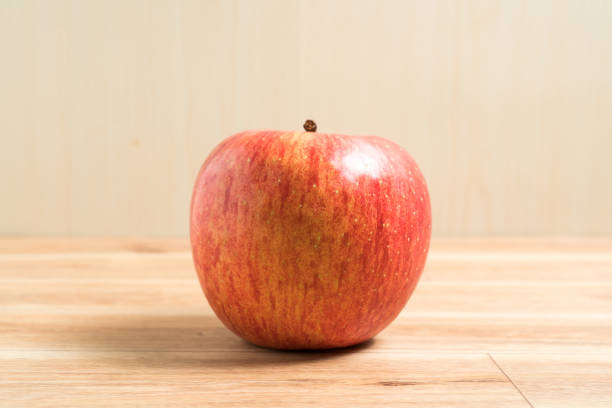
(172, 341)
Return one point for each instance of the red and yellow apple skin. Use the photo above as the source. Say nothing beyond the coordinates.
(307, 240)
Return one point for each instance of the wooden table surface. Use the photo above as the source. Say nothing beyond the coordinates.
(493, 323)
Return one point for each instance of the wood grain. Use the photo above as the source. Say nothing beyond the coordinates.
(108, 108)
(504, 323)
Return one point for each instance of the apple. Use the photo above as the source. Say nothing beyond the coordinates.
(306, 240)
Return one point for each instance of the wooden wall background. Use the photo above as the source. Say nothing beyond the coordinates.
(108, 108)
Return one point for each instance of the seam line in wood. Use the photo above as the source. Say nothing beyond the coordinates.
(510, 379)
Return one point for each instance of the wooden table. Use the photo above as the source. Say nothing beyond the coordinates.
(493, 323)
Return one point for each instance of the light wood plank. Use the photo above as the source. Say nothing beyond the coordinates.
(65, 246)
(255, 377)
(191, 328)
(558, 261)
(572, 300)
(459, 246)
(105, 322)
(555, 380)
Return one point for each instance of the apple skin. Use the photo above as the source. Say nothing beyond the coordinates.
(306, 240)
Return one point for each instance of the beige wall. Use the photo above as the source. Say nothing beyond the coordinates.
(108, 108)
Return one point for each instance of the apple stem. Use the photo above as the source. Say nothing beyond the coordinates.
(310, 126)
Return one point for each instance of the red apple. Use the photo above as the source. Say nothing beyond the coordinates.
(305, 240)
